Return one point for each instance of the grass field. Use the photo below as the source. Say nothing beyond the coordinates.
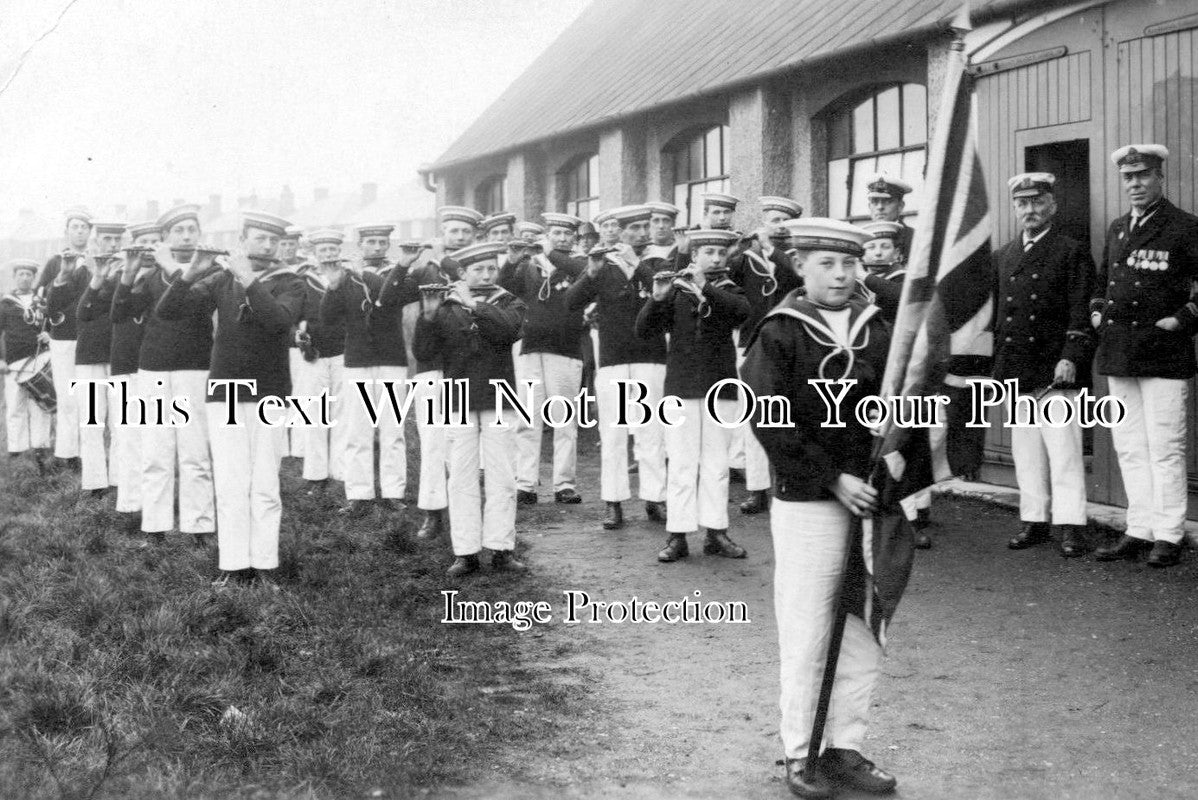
(124, 674)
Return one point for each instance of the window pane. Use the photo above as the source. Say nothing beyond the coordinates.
(681, 165)
(714, 155)
(838, 187)
(915, 114)
(840, 135)
(891, 164)
(680, 200)
(695, 150)
(863, 127)
(913, 165)
(725, 159)
(592, 175)
(888, 119)
(862, 169)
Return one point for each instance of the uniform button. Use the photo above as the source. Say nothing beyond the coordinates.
(1031, 338)
(1033, 297)
(1135, 324)
(1137, 283)
(1010, 299)
(1008, 338)
(1135, 302)
(1035, 275)
(1110, 322)
(1012, 279)
(1113, 283)
(1031, 318)
(1010, 318)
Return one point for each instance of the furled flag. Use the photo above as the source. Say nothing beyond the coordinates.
(942, 333)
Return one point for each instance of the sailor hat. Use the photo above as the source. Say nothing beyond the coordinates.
(822, 233)
(783, 204)
(1139, 157)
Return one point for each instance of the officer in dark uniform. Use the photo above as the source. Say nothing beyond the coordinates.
(1042, 339)
(1145, 316)
(886, 202)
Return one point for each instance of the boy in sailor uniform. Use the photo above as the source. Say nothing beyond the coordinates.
(820, 484)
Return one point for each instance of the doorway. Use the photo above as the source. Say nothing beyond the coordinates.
(1070, 162)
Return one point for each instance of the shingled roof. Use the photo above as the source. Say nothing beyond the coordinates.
(620, 57)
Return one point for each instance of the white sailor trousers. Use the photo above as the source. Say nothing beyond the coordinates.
(97, 469)
(360, 433)
(473, 522)
(810, 539)
(432, 495)
(66, 417)
(299, 386)
(165, 447)
(125, 446)
(26, 424)
(756, 463)
(1049, 467)
(245, 472)
(648, 440)
(1151, 447)
(324, 445)
(554, 375)
(697, 469)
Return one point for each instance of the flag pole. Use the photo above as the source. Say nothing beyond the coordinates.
(958, 26)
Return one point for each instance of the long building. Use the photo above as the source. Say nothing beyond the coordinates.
(641, 101)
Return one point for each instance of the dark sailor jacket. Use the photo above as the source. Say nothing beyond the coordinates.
(253, 325)
(701, 353)
(549, 325)
(1145, 275)
(473, 344)
(367, 310)
(16, 328)
(793, 344)
(1042, 310)
(126, 336)
(94, 334)
(620, 298)
(167, 345)
(766, 280)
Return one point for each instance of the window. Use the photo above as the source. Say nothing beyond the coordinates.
(490, 196)
(887, 131)
(580, 187)
(700, 165)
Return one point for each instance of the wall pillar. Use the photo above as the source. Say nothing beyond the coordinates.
(939, 52)
(760, 148)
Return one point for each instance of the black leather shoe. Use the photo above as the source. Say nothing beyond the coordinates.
(718, 544)
(655, 511)
(850, 768)
(1164, 554)
(1073, 541)
(1127, 547)
(506, 561)
(614, 519)
(524, 498)
(1031, 534)
(675, 549)
(758, 502)
(567, 496)
(806, 782)
(431, 527)
(463, 565)
(736, 475)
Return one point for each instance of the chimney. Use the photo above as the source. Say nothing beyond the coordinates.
(213, 206)
(286, 202)
(370, 194)
(152, 211)
(320, 193)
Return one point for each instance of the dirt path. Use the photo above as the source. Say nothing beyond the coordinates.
(1009, 675)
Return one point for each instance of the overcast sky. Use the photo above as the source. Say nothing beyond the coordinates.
(127, 100)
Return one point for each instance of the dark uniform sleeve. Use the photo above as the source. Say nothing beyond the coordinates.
(887, 294)
(183, 295)
(728, 300)
(582, 292)
(767, 371)
(430, 340)
(571, 265)
(1098, 295)
(277, 313)
(63, 298)
(656, 316)
(94, 303)
(514, 276)
(397, 291)
(127, 303)
(500, 324)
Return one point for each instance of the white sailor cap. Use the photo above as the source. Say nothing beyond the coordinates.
(139, 229)
(626, 215)
(823, 233)
(374, 229)
(293, 232)
(265, 222)
(1139, 157)
(496, 220)
(882, 229)
(710, 236)
(77, 212)
(459, 214)
(107, 227)
(783, 204)
(555, 220)
(720, 199)
(326, 236)
(665, 209)
(20, 264)
(482, 251)
(178, 214)
(1031, 184)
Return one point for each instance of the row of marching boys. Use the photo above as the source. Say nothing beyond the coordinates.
(163, 316)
